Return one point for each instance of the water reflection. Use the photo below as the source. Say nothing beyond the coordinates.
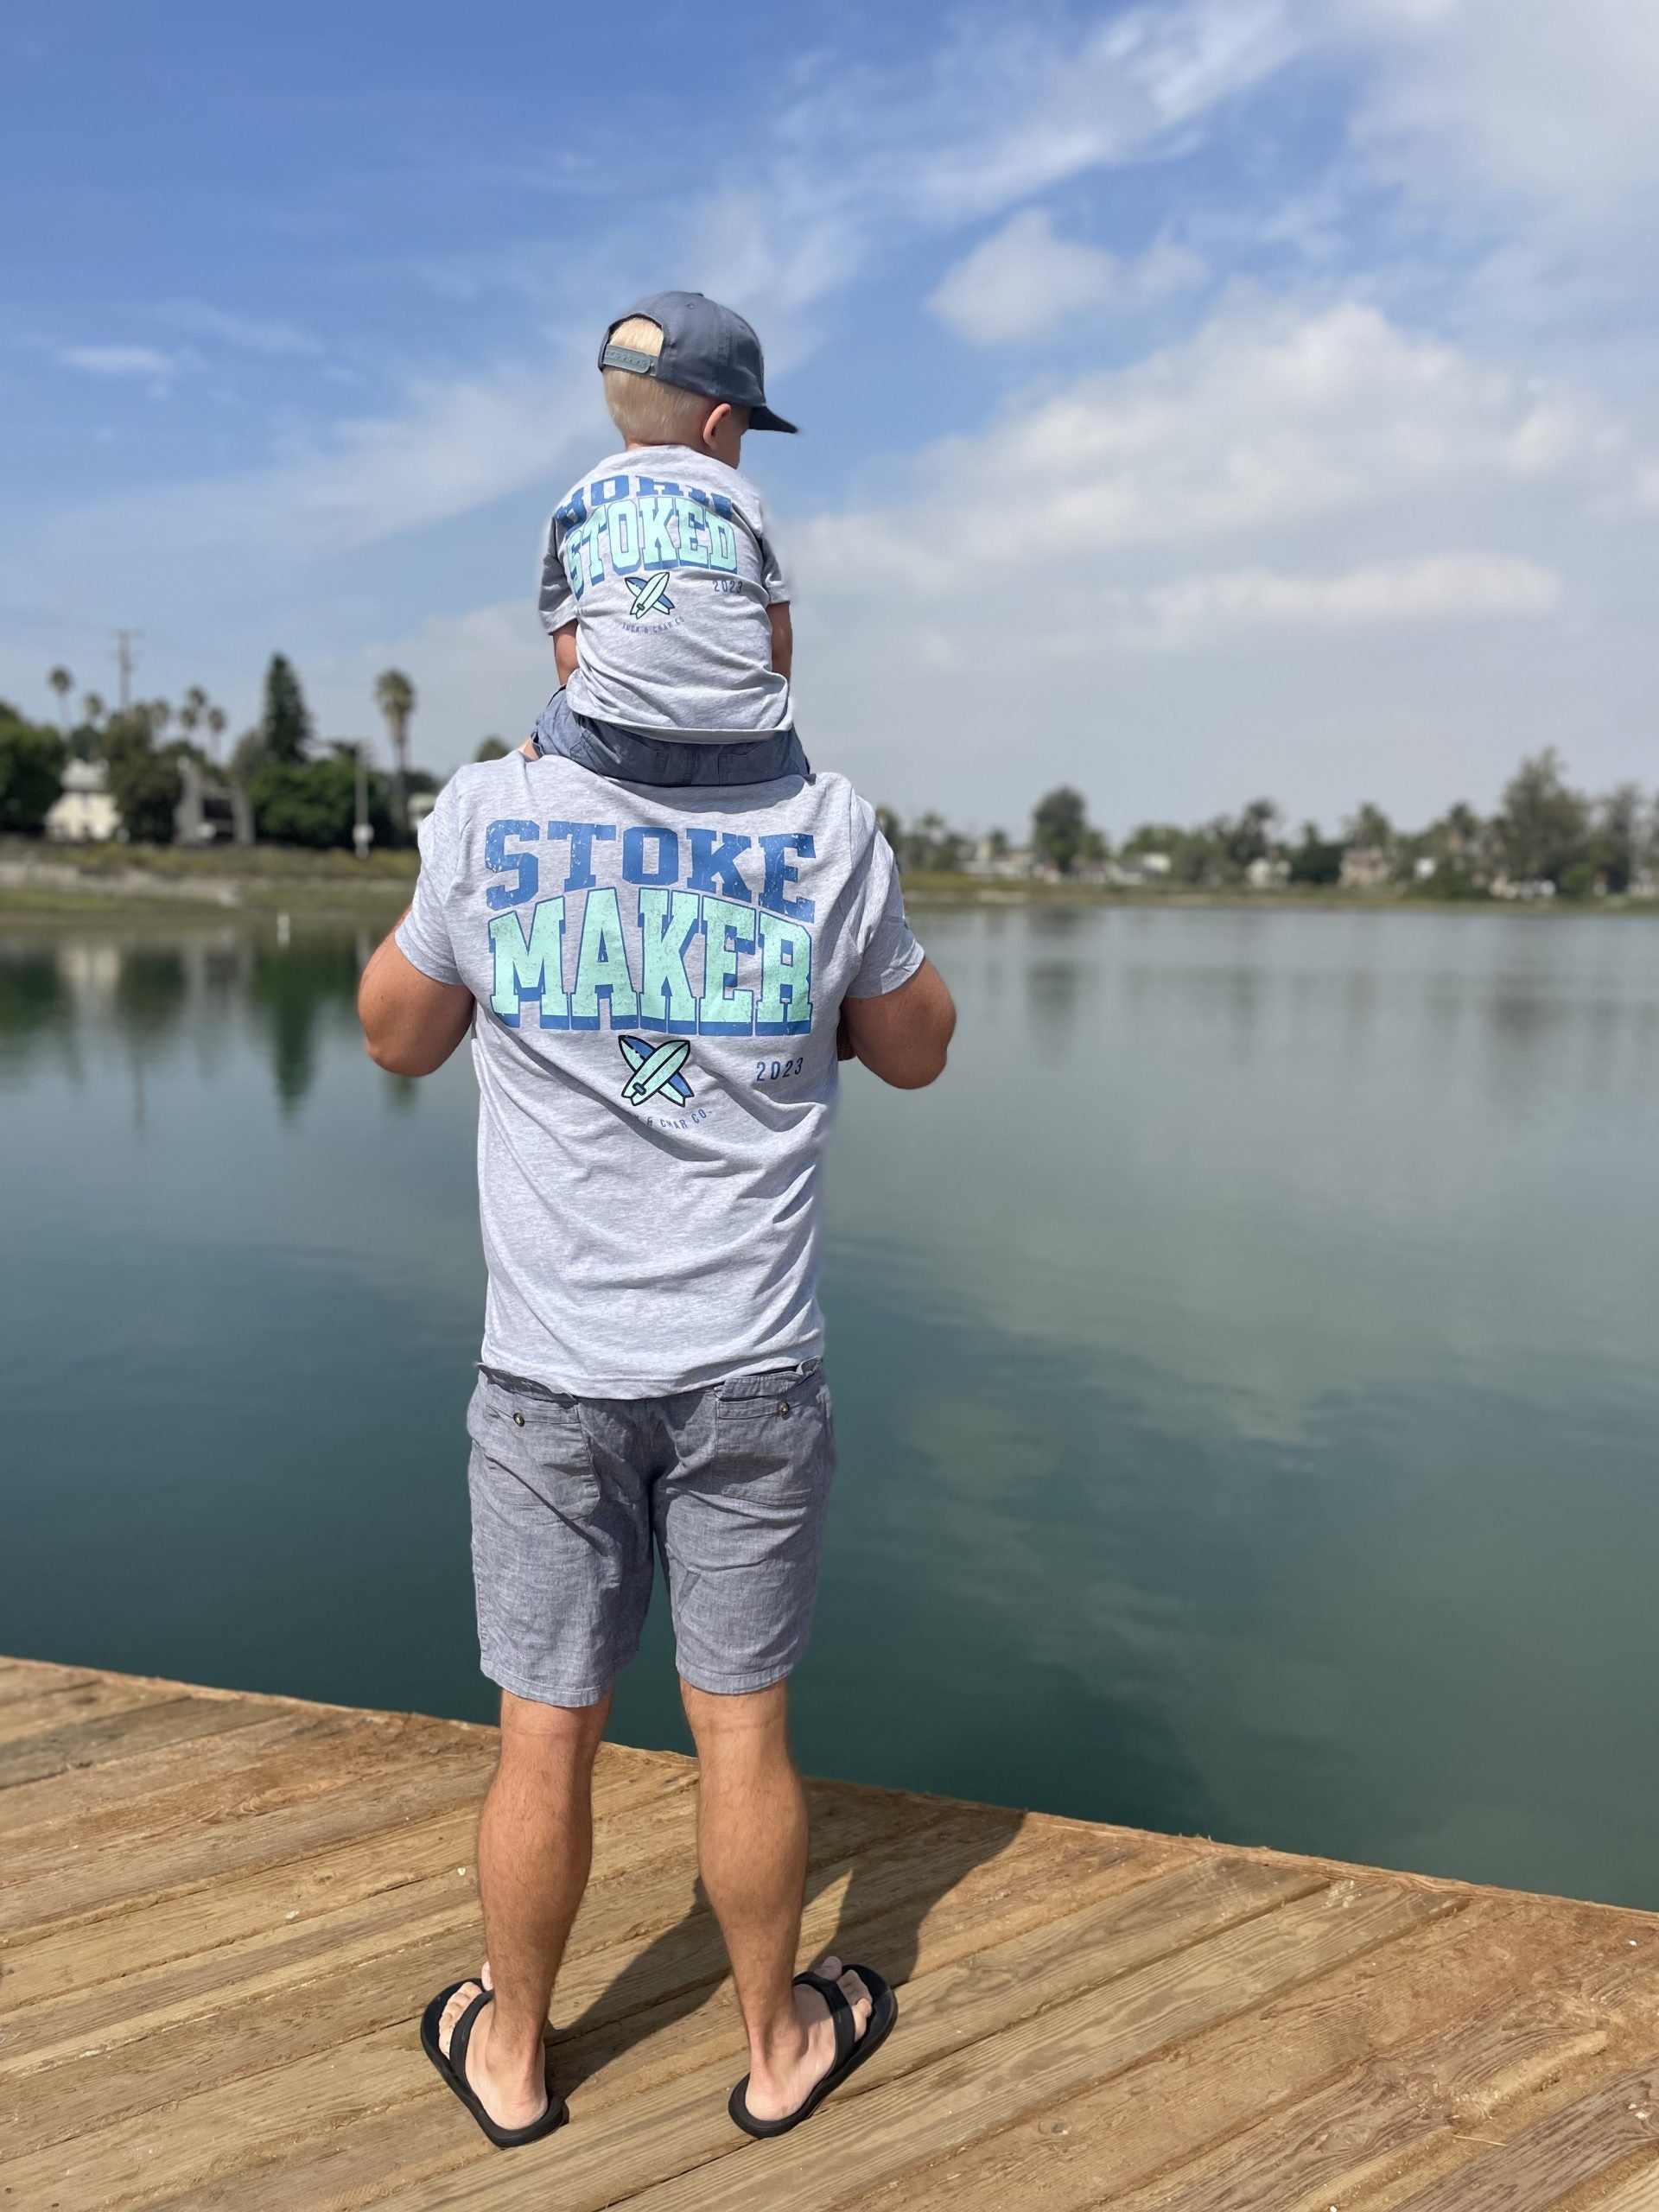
(70, 999)
(1243, 1366)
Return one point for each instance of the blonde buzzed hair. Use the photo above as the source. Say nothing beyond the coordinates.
(647, 412)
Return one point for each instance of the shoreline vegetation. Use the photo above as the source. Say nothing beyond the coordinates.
(116, 881)
(128, 810)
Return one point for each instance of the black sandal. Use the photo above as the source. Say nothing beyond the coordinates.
(453, 2070)
(851, 2049)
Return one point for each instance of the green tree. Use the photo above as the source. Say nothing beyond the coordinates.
(1618, 835)
(61, 684)
(285, 723)
(144, 783)
(31, 772)
(1543, 829)
(315, 802)
(1247, 838)
(492, 749)
(395, 697)
(1315, 859)
(1059, 829)
(192, 712)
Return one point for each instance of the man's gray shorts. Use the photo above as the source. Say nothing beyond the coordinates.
(569, 1494)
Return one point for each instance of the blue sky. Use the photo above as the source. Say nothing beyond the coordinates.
(1200, 397)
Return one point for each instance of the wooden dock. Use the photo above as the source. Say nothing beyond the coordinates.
(221, 1915)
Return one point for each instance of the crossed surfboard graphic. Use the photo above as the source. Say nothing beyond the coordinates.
(650, 593)
(655, 1067)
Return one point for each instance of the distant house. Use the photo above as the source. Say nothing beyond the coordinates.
(1267, 872)
(83, 813)
(1364, 867)
(208, 812)
(421, 804)
(986, 858)
(1141, 867)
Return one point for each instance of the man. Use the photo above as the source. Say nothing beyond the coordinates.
(658, 981)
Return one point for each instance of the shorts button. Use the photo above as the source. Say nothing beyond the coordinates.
(783, 1408)
(517, 1421)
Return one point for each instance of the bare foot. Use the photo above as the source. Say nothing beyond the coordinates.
(782, 2083)
(512, 2098)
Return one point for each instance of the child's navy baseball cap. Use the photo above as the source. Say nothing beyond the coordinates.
(706, 348)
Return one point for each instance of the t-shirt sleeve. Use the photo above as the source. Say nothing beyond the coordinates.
(557, 600)
(423, 934)
(888, 952)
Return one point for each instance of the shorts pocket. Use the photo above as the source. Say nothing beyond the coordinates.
(778, 1395)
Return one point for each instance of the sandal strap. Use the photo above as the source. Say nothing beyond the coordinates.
(840, 2012)
(461, 2035)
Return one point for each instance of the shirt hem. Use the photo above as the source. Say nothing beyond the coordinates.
(635, 1388)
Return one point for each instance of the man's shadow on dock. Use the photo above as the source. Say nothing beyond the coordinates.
(899, 1862)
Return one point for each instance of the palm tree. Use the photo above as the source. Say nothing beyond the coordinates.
(395, 697)
(63, 683)
(91, 709)
(191, 713)
(217, 719)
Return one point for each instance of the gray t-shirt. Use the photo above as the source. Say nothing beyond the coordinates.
(663, 558)
(658, 975)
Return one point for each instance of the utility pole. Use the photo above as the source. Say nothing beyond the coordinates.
(362, 829)
(123, 643)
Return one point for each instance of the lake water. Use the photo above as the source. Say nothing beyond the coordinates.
(1244, 1362)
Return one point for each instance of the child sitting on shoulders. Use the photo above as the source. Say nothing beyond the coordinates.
(661, 587)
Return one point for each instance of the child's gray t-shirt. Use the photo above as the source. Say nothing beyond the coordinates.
(658, 975)
(664, 558)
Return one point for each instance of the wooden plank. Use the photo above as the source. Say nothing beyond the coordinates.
(114, 2165)
(38, 1712)
(123, 1736)
(347, 1790)
(610, 2051)
(227, 2014)
(1591, 2137)
(28, 1677)
(257, 1906)
(1636, 2191)
(955, 2069)
(69, 1779)
(1169, 2115)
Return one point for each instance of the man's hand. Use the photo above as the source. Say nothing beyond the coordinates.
(903, 1035)
(410, 1024)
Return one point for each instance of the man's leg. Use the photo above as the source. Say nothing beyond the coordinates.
(535, 1846)
(752, 1849)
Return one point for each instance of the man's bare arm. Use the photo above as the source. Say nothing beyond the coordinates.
(782, 638)
(904, 1036)
(564, 653)
(410, 1024)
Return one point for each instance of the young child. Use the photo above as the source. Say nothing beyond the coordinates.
(663, 596)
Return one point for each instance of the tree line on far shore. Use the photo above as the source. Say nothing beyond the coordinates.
(300, 793)
(1545, 839)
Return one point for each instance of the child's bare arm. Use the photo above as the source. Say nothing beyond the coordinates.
(564, 652)
(782, 637)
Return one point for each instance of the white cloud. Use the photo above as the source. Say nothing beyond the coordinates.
(1022, 281)
(276, 339)
(449, 449)
(118, 360)
(1266, 422)
(1297, 545)
(1438, 588)
(1552, 99)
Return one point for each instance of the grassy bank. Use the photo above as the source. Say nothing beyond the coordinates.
(47, 881)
